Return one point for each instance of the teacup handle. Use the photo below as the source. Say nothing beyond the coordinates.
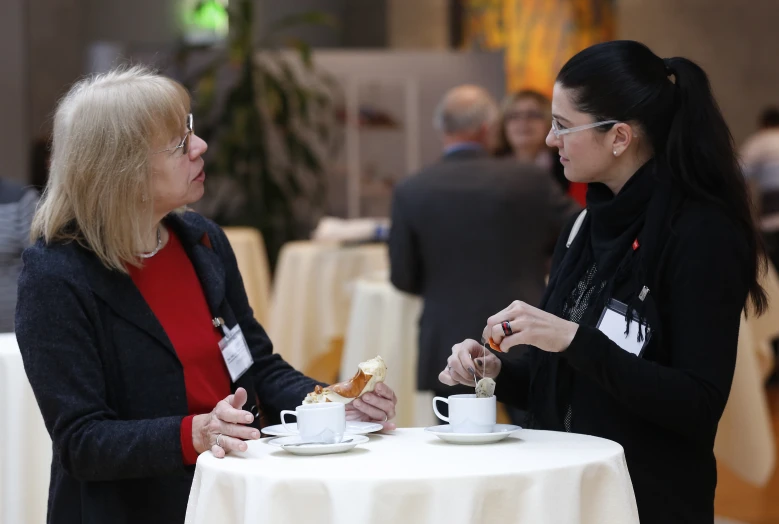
(435, 408)
(284, 422)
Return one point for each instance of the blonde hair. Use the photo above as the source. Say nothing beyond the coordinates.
(99, 189)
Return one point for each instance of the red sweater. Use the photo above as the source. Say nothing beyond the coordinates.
(172, 289)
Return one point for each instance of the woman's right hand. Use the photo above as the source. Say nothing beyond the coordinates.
(466, 356)
(226, 421)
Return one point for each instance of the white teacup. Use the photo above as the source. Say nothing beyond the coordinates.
(469, 414)
(324, 422)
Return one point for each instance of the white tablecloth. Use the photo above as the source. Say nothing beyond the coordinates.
(384, 321)
(25, 453)
(249, 249)
(312, 296)
(412, 477)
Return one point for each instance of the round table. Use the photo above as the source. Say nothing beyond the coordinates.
(312, 294)
(410, 476)
(25, 459)
(249, 249)
(384, 321)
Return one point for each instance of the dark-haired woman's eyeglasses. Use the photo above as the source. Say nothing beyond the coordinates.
(184, 144)
(559, 131)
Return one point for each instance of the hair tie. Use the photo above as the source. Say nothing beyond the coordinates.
(668, 69)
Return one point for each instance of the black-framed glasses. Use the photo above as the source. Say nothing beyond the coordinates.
(184, 144)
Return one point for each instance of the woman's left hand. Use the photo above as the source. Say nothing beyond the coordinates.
(532, 326)
(378, 406)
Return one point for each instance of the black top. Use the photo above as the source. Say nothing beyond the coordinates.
(664, 406)
(448, 224)
(110, 385)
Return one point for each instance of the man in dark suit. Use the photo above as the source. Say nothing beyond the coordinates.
(470, 233)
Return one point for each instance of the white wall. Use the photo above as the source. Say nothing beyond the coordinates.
(735, 42)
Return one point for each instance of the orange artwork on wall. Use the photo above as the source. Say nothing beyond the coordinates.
(538, 36)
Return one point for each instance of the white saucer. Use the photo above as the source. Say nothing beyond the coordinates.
(501, 431)
(288, 444)
(352, 428)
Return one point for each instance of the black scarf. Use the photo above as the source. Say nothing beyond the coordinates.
(623, 235)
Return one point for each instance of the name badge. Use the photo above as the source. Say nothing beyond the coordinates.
(612, 324)
(235, 351)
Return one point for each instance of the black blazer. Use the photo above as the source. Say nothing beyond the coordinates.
(663, 407)
(108, 381)
(470, 234)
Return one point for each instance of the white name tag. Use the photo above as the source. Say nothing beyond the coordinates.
(235, 352)
(612, 324)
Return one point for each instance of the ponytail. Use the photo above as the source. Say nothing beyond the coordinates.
(701, 155)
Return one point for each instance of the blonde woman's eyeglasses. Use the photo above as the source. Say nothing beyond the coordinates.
(184, 144)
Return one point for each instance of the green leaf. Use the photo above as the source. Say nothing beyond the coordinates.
(303, 49)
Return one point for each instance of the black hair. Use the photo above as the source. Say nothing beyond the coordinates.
(769, 118)
(624, 80)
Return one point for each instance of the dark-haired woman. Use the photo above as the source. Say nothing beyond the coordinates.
(635, 340)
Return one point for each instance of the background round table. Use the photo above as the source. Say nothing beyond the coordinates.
(383, 321)
(413, 477)
(312, 294)
(25, 457)
(252, 258)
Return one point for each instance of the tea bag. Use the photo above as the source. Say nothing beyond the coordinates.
(485, 388)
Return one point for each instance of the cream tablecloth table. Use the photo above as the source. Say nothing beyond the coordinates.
(25, 456)
(252, 258)
(312, 296)
(745, 439)
(384, 321)
(412, 477)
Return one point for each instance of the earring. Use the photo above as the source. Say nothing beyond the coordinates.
(615, 152)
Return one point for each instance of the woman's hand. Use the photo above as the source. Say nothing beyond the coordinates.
(469, 357)
(532, 326)
(223, 430)
(378, 406)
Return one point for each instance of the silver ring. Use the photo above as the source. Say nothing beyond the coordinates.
(217, 440)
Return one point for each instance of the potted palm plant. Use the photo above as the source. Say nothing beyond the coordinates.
(269, 118)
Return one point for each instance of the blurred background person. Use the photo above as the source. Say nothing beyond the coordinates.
(525, 117)
(760, 161)
(17, 207)
(448, 219)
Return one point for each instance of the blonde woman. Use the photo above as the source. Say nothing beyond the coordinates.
(124, 302)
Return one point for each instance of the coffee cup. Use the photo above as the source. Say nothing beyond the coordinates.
(325, 422)
(468, 413)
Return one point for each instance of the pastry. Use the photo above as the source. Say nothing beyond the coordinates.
(369, 373)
